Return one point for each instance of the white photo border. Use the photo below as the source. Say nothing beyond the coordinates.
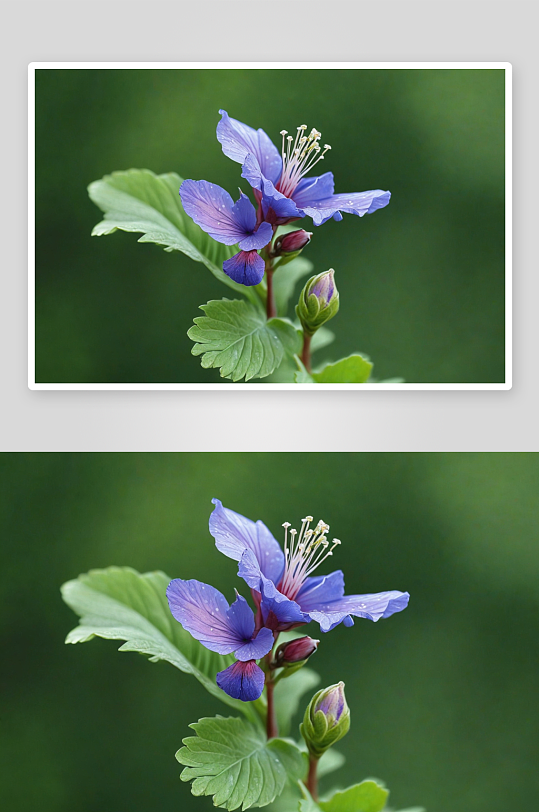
(33, 66)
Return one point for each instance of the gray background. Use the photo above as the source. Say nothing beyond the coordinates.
(267, 420)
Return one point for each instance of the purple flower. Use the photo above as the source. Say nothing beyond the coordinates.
(204, 612)
(212, 208)
(282, 584)
(279, 179)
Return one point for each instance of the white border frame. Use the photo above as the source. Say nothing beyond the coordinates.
(506, 66)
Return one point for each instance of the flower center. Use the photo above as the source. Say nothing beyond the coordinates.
(299, 157)
(304, 553)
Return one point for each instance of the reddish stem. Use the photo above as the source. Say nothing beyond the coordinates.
(271, 310)
(306, 352)
(271, 721)
(312, 778)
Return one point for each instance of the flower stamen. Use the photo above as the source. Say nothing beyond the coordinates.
(299, 157)
(304, 552)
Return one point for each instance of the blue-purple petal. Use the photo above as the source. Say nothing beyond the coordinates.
(372, 607)
(243, 681)
(275, 206)
(258, 239)
(321, 589)
(212, 208)
(359, 203)
(203, 611)
(240, 619)
(244, 213)
(279, 209)
(238, 140)
(315, 188)
(257, 648)
(234, 533)
(246, 268)
(278, 611)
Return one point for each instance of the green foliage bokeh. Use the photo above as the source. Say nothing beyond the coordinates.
(442, 695)
(421, 282)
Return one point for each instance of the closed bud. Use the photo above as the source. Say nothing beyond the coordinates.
(291, 243)
(326, 720)
(295, 653)
(318, 301)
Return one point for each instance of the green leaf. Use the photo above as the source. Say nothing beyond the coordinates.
(119, 603)
(288, 693)
(139, 200)
(301, 375)
(285, 278)
(365, 797)
(354, 369)
(233, 761)
(235, 337)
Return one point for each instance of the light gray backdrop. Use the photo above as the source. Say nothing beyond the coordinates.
(298, 31)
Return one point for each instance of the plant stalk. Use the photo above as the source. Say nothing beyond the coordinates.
(271, 310)
(271, 721)
(306, 352)
(312, 778)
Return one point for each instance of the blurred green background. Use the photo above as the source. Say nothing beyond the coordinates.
(421, 282)
(443, 696)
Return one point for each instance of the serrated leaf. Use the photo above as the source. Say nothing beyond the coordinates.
(288, 693)
(285, 278)
(235, 337)
(353, 369)
(120, 603)
(365, 797)
(235, 763)
(138, 200)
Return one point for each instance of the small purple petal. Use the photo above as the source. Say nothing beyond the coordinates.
(332, 703)
(212, 208)
(319, 590)
(372, 607)
(316, 188)
(241, 619)
(205, 614)
(246, 268)
(238, 140)
(249, 569)
(283, 208)
(257, 648)
(280, 210)
(279, 612)
(359, 203)
(285, 613)
(243, 681)
(259, 239)
(244, 213)
(234, 533)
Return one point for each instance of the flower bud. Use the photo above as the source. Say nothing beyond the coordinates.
(318, 301)
(296, 652)
(326, 720)
(291, 243)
